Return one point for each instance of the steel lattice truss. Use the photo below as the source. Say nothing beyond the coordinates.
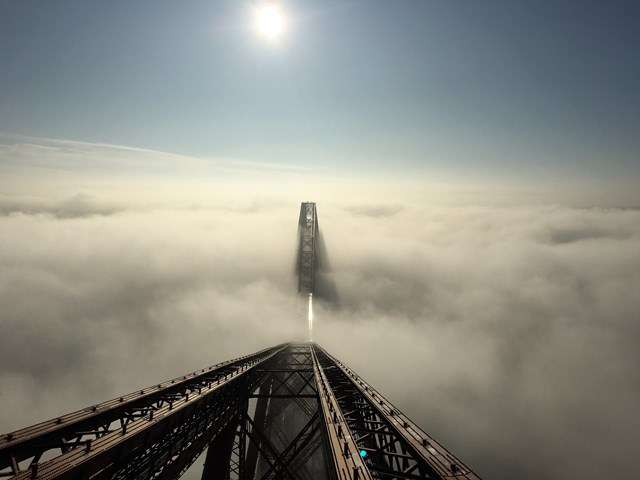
(307, 248)
(291, 411)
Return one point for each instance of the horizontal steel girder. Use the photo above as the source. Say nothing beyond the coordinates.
(101, 437)
(359, 419)
(159, 431)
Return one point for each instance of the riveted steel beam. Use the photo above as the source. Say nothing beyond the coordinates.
(391, 445)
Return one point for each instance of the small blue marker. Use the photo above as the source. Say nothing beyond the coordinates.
(363, 453)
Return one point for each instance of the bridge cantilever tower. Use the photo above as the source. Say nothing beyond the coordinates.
(290, 411)
(308, 249)
(307, 261)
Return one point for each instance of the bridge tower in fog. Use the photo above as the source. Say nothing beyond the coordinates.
(307, 262)
(290, 411)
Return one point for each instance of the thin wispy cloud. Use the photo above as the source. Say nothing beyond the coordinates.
(95, 157)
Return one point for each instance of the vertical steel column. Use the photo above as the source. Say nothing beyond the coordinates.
(307, 248)
(216, 465)
(251, 460)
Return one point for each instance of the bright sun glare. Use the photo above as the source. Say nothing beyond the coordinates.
(270, 21)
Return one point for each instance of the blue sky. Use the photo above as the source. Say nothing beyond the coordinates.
(519, 92)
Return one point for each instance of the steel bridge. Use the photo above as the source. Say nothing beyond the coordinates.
(291, 411)
(307, 262)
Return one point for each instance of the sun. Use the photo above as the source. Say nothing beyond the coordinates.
(270, 21)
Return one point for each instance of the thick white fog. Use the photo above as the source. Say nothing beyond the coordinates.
(509, 334)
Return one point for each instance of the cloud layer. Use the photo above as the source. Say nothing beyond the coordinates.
(510, 334)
